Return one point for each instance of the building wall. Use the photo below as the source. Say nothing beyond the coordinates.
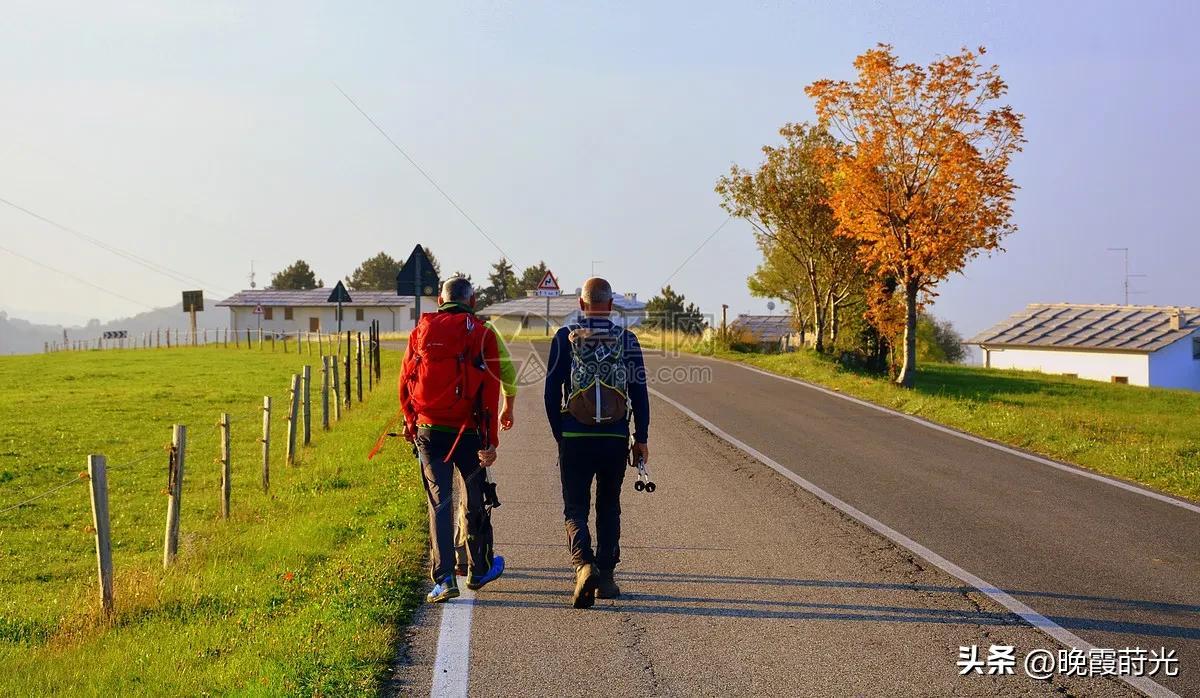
(391, 318)
(1094, 365)
(1173, 366)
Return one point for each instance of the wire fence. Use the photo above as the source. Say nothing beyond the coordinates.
(293, 408)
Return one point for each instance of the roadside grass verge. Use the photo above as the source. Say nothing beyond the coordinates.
(300, 592)
(1146, 435)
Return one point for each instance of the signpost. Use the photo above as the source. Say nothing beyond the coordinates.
(193, 301)
(417, 278)
(339, 296)
(548, 287)
(116, 334)
(258, 310)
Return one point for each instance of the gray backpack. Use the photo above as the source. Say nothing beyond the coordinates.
(599, 390)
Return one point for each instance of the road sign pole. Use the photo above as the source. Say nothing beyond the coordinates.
(547, 316)
(339, 312)
(417, 287)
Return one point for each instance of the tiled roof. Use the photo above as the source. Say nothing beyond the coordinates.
(765, 328)
(312, 298)
(1103, 327)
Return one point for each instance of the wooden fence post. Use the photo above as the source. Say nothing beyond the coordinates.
(174, 493)
(285, 343)
(349, 386)
(266, 444)
(260, 339)
(370, 356)
(378, 354)
(98, 483)
(272, 342)
(291, 434)
(358, 352)
(226, 484)
(307, 378)
(324, 393)
(335, 369)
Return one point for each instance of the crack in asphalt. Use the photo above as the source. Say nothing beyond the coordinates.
(635, 633)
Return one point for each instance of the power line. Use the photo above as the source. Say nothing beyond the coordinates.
(711, 235)
(136, 259)
(76, 278)
(423, 172)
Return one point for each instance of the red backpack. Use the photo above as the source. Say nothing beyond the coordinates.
(448, 348)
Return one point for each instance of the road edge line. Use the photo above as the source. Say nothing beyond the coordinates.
(1042, 460)
(1025, 612)
(451, 662)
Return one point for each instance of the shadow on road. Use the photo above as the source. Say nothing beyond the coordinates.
(633, 602)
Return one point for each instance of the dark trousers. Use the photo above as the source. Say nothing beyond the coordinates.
(432, 448)
(580, 460)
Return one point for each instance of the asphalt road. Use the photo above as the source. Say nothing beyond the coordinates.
(740, 582)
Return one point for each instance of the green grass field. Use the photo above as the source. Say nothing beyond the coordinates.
(1147, 435)
(299, 592)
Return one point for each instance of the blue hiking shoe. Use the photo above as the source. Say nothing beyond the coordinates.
(443, 591)
(474, 583)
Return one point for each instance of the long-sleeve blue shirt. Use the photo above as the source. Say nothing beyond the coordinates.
(558, 384)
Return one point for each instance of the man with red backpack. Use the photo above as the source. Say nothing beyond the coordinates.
(449, 392)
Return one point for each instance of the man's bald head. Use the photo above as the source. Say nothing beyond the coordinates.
(596, 298)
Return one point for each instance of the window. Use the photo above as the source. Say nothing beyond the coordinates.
(314, 324)
(1196, 348)
(358, 314)
(287, 313)
(268, 313)
(1123, 380)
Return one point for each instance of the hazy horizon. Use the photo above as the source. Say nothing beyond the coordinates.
(201, 138)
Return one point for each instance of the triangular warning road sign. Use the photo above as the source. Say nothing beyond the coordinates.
(339, 295)
(549, 283)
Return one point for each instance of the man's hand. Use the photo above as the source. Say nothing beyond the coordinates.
(506, 416)
(410, 435)
(487, 457)
(641, 452)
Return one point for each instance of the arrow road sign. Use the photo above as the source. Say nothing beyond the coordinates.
(116, 334)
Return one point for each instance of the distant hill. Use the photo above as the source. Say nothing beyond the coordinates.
(19, 336)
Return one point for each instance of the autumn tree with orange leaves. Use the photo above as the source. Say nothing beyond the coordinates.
(922, 184)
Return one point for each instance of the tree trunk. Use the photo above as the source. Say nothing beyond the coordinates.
(834, 322)
(908, 370)
(819, 324)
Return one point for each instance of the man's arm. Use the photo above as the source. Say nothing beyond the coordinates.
(508, 372)
(558, 369)
(639, 396)
(406, 371)
(491, 389)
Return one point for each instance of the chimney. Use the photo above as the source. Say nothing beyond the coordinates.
(1176, 318)
(631, 296)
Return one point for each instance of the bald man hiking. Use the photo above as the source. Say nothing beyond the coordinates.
(596, 384)
(450, 391)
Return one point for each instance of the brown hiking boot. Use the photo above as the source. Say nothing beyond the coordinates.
(585, 586)
(606, 586)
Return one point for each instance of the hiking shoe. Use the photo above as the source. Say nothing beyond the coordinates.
(606, 586)
(474, 583)
(585, 586)
(443, 591)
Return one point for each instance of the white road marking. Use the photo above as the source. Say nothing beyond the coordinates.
(1074, 470)
(1037, 620)
(451, 664)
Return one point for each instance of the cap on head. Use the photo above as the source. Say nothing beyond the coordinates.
(457, 290)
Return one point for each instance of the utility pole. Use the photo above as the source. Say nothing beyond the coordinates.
(1128, 276)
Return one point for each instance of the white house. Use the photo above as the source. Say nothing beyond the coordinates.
(529, 315)
(771, 332)
(1140, 345)
(310, 311)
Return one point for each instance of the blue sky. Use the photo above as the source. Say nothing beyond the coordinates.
(204, 137)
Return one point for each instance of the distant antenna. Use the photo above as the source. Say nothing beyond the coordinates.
(771, 306)
(1128, 276)
(252, 284)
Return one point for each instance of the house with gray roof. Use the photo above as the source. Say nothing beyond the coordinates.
(310, 310)
(535, 314)
(771, 332)
(1144, 345)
